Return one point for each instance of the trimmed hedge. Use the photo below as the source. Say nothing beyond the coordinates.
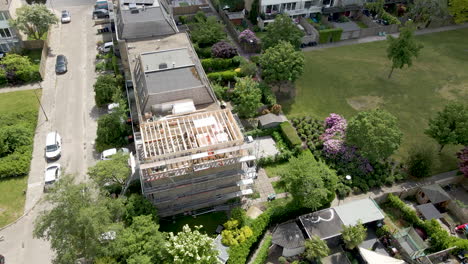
(290, 135)
(330, 35)
(218, 64)
(222, 76)
(268, 97)
(262, 253)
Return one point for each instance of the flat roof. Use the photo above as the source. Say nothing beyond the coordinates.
(172, 58)
(189, 134)
(365, 210)
(324, 223)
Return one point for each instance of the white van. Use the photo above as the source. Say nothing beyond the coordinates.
(53, 146)
(106, 47)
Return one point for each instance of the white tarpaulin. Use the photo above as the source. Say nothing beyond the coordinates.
(372, 257)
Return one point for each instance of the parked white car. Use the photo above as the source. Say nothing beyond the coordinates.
(52, 174)
(106, 154)
(111, 107)
(106, 47)
(53, 146)
(66, 18)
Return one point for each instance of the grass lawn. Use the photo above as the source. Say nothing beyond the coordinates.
(12, 189)
(209, 222)
(278, 186)
(349, 79)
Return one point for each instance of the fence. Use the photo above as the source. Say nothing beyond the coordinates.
(33, 44)
(44, 55)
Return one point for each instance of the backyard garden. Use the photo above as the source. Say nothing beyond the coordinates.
(346, 80)
(18, 115)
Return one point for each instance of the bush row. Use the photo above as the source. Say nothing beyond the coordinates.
(268, 97)
(17, 163)
(218, 64)
(262, 252)
(290, 134)
(330, 35)
(223, 76)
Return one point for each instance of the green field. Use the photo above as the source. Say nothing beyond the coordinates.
(12, 189)
(349, 79)
(209, 222)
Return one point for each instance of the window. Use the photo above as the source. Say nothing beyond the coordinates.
(4, 48)
(308, 4)
(5, 33)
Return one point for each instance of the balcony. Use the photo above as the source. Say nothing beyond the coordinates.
(303, 11)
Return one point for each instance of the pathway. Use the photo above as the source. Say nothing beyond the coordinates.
(25, 87)
(378, 38)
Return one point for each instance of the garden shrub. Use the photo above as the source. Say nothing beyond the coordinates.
(262, 252)
(255, 59)
(221, 92)
(115, 65)
(223, 50)
(268, 97)
(276, 109)
(105, 88)
(203, 53)
(183, 19)
(248, 68)
(19, 69)
(3, 77)
(16, 163)
(232, 235)
(218, 64)
(421, 161)
(290, 134)
(111, 131)
(330, 35)
(223, 76)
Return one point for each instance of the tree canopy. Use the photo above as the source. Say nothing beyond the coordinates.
(424, 11)
(77, 220)
(459, 10)
(111, 131)
(113, 171)
(401, 50)
(34, 20)
(311, 183)
(106, 88)
(375, 133)
(315, 248)
(282, 63)
(450, 126)
(247, 97)
(282, 29)
(136, 205)
(206, 31)
(191, 247)
(354, 235)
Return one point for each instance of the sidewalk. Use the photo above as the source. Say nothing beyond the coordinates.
(30, 86)
(378, 38)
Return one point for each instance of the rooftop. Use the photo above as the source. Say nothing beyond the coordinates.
(325, 223)
(190, 134)
(429, 211)
(365, 210)
(435, 193)
(288, 235)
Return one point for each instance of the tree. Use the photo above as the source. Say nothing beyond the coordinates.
(401, 50)
(450, 126)
(77, 220)
(112, 171)
(141, 241)
(15, 136)
(111, 131)
(19, 69)
(282, 63)
(247, 97)
(248, 37)
(232, 235)
(315, 248)
(424, 11)
(34, 20)
(253, 14)
(223, 50)
(191, 247)
(459, 10)
(137, 205)
(206, 32)
(105, 88)
(354, 235)
(375, 133)
(421, 160)
(282, 29)
(311, 183)
(463, 161)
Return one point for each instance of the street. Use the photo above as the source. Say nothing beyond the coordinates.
(68, 102)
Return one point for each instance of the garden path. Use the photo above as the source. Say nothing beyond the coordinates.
(24, 87)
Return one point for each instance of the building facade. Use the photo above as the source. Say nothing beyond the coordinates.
(9, 37)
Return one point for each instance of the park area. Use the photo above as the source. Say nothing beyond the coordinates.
(18, 116)
(349, 79)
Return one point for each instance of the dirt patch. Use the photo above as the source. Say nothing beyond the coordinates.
(360, 103)
(453, 92)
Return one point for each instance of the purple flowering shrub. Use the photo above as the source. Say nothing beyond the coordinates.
(463, 161)
(247, 36)
(223, 50)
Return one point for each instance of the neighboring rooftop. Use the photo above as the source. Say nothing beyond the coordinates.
(223, 254)
(271, 120)
(288, 235)
(435, 193)
(365, 210)
(429, 211)
(325, 223)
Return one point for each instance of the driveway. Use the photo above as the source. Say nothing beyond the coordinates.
(68, 101)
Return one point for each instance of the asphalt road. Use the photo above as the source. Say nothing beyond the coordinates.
(68, 101)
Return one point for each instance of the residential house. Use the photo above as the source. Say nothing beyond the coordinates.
(9, 37)
(303, 8)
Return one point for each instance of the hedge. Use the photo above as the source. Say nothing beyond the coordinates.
(262, 252)
(268, 97)
(17, 163)
(222, 76)
(290, 134)
(218, 64)
(330, 35)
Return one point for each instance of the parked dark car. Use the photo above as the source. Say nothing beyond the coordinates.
(100, 13)
(61, 64)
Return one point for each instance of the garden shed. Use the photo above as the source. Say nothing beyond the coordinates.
(271, 120)
(433, 194)
(290, 238)
(428, 211)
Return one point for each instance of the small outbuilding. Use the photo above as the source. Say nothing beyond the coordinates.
(428, 211)
(271, 120)
(433, 194)
(290, 238)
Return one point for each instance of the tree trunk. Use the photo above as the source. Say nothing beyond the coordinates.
(390, 75)
(441, 147)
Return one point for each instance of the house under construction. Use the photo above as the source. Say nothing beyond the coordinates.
(193, 161)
